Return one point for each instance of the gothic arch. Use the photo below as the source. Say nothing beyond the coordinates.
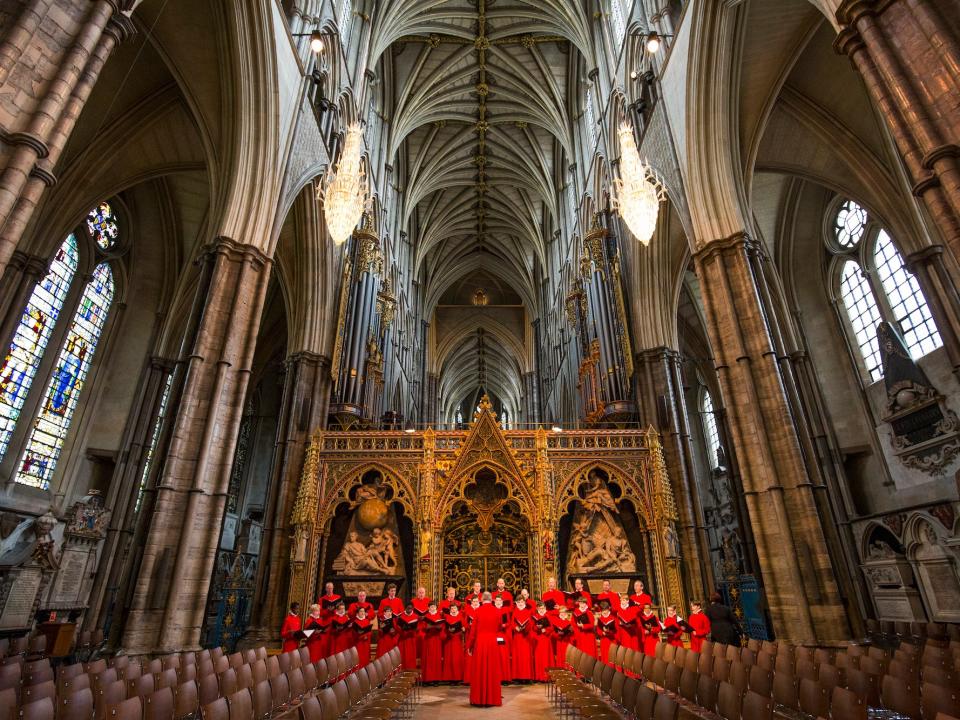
(403, 492)
(566, 489)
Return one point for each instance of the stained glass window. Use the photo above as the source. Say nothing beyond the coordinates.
(711, 431)
(31, 337)
(619, 24)
(102, 226)
(906, 299)
(864, 315)
(63, 391)
(154, 438)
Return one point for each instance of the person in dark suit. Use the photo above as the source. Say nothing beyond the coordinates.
(724, 626)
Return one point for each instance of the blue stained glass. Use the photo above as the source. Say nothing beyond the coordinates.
(102, 226)
(63, 391)
(31, 337)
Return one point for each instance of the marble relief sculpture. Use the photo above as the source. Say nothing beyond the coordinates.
(372, 544)
(598, 542)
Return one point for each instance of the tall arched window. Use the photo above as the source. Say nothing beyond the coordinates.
(875, 285)
(711, 431)
(345, 19)
(618, 23)
(31, 337)
(55, 407)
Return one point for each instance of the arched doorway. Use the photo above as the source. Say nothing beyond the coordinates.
(485, 537)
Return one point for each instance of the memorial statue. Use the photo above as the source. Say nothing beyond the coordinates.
(598, 542)
(372, 543)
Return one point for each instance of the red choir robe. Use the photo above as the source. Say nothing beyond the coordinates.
(573, 597)
(327, 604)
(453, 654)
(628, 630)
(318, 643)
(387, 635)
(340, 633)
(432, 655)
(563, 631)
(409, 625)
(672, 632)
(471, 596)
(354, 606)
(291, 626)
(506, 632)
(544, 656)
(701, 628)
(651, 632)
(469, 616)
(553, 599)
(521, 651)
(585, 637)
(360, 638)
(395, 605)
(485, 677)
(607, 632)
(505, 596)
(420, 607)
(641, 600)
(444, 607)
(612, 598)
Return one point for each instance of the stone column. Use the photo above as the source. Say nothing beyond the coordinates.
(930, 268)
(306, 396)
(170, 595)
(21, 276)
(798, 571)
(660, 398)
(37, 137)
(908, 52)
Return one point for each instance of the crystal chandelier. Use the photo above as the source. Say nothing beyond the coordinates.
(637, 193)
(344, 191)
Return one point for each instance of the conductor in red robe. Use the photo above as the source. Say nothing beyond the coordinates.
(291, 626)
(487, 663)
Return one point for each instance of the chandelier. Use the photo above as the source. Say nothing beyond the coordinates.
(344, 191)
(637, 193)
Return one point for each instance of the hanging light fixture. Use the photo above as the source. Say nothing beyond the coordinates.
(637, 193)
(344, 192)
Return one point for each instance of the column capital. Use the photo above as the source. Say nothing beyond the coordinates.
(235, 251)
(120, 27)
(923, 256)
(739, 241)
(32, 265)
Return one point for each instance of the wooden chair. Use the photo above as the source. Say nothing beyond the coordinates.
(665, 709)
(41, 709)
(646, 699)
(846, 705)
(161, 705)
(785, 691)
(672, 677)
(209, 689)
(686, 685)
(729, 701)
(760, 680)
(898, 695)
(129, 709)
(280, 692)
(187, 700)
(78, 705)
(757, 707)
(217, 710)
(813, 699)
(240, 705)
(707, 691)
(262, 700)
(936, 699)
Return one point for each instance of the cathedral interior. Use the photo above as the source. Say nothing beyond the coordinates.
(229, 381)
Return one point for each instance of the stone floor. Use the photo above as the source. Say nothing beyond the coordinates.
(452, 702)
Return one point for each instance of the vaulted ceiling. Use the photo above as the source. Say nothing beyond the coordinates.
(483, 129)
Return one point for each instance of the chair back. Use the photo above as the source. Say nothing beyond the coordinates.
(160, 705)
(187, 700)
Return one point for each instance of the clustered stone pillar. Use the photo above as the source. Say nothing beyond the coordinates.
(929, 265)
(908, 52)
(169, 597)
(34, 129)
(658, 376)
(805, 603)
(306, 395)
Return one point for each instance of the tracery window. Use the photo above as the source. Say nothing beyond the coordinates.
(31, 337)
(711, 431)
(50, 427)
(875, 285)
(154, 439)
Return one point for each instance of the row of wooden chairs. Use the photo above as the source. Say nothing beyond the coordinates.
(17, 649)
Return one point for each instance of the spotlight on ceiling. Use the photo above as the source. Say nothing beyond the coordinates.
(316, 42)
(634, 74)
(653, 42)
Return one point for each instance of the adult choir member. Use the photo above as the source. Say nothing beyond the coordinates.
(563, 634)
(651, 630)
(629, 630)
(362, 630)
(341, 630)
(579, 592)
(553, 599)
(291, 627)
(502, 593)
(606, 630)
(609, 596)
(700, 625)
(449, 601)
(476, 592)
(421, 605)
(432, 653)
(360, 602)
(409, 625)
(521, 651)
(544, 655)
(640, 596)
(391, 601)
(672, 632)
(470, 616)
(317, 642)
(453, 652)
(487, 663)
(328, 601)
(505, 641)
(388, 635)
(585, 637)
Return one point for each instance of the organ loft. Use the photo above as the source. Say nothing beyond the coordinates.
(423, 352)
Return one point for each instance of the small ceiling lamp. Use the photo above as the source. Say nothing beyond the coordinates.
(344, 193)
(653, 42)
(637, 192)
(316, 42)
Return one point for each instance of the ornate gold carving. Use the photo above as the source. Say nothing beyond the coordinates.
(369, 255)
(386, 304)
(624, 330)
